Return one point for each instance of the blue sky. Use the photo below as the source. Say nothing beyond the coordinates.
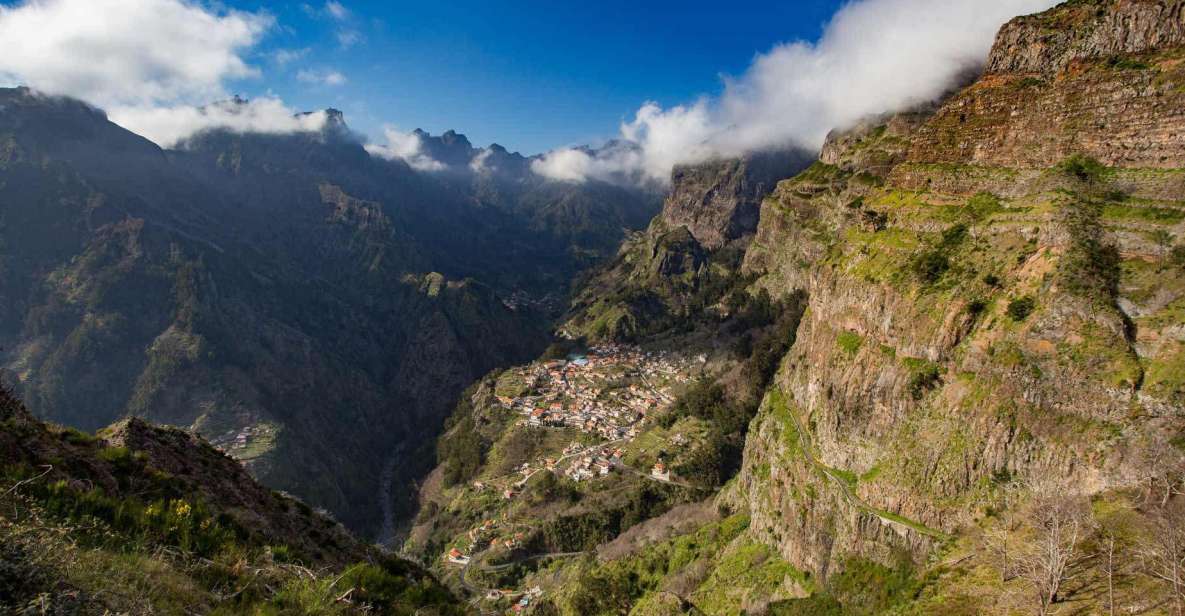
(681, 82)
(530, 75)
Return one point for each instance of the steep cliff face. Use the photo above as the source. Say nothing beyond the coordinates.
(1099, 79)
(988, 308)
(719, 201)
(663, 277)
(1048, 43)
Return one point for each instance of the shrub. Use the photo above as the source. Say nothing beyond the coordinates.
(1082, 167)
(983, 205)
(1020, 308)
(1090, 267)
(1177, 256)
(930, 266)
(77, 437)
(190, 526)
(924, 375)
(849, 341)
(1121, 63)
(119, 457)
(953, 236)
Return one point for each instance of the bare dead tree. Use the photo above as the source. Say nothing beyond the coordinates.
(999, 537)
(1163, 470)
(1162, 551)
(1050, 555)
(1108, 542)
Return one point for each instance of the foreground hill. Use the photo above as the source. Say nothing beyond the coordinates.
(142, 520)
(310, 307)
(979, 406)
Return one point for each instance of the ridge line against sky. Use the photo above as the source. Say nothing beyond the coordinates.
(157, 65)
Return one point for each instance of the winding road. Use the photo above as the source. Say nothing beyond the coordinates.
(481, 592)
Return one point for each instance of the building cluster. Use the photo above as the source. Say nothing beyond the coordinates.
(592, 464)
(609, 392)
(483, 536)
(234, 442)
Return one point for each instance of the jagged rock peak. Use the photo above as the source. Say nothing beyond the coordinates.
(719, 200)
(452, 149)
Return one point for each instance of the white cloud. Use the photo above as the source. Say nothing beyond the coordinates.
(168, 125)
(406, 147)
(112, 52)
(875, 56)
(337, 11)
(347, 38)
(152, 64)
(346, 35)
(623, 165)
(326, 77)
(284, 57)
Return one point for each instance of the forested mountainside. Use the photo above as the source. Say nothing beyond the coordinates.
(311, 308)
(954, 347)
(140, 519)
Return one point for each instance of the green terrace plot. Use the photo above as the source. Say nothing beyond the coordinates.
(876, 256)
(748, 573)
(1144, 211)
(520, 445)
(512, 383)
(943, 247)
(656, 442)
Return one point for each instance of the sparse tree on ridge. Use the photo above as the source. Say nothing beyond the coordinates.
(1162, 551)
(1052, 555)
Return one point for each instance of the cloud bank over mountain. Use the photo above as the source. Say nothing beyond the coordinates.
(153, 65)
(875, 56)
(169, 125)
(408, 147)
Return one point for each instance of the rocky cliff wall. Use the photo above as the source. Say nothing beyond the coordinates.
(1102, 79)
(990, 312)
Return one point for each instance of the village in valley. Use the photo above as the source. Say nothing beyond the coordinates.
(608, 393)
(604, 400)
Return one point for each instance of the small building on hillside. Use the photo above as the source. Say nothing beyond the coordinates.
(660, 471)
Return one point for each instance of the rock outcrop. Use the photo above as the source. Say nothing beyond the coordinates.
(1094, 78)
(695, 243)
(719, 201)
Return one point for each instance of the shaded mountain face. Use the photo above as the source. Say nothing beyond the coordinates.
(289, 296)
(690, 254)
(588, 218)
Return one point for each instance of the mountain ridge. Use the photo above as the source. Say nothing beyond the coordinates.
(254, 282)
(988, 351)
